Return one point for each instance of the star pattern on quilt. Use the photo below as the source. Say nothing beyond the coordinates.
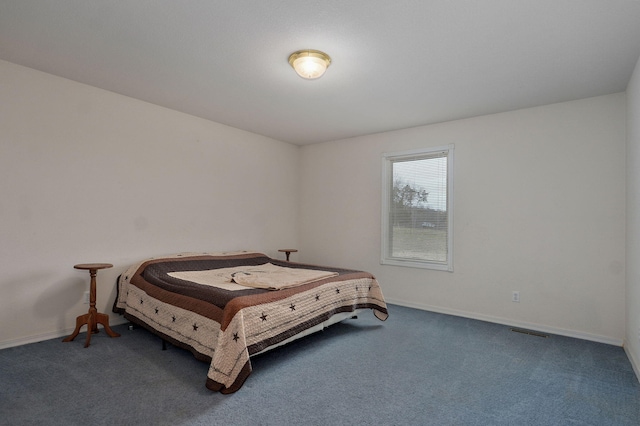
(310, 299)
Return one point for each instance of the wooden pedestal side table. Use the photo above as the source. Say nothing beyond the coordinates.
(288, 252)
(93, 317)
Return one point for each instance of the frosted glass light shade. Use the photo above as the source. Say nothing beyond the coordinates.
(309, 64)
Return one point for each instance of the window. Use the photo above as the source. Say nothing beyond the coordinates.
(417, 208)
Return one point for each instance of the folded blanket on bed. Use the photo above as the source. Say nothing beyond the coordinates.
(266, 276)
(272, 277)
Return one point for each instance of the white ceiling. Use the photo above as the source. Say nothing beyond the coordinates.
(396, 63)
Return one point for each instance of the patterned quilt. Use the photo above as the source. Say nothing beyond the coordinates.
(224, 322)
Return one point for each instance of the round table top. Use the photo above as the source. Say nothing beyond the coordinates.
(93, 266)
(288, 250)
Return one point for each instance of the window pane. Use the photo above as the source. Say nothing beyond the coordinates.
(417, 221)
(419, 208)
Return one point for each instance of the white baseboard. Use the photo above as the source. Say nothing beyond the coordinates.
(47, 336)
(633, 361)
(511, 323)
(448, 311)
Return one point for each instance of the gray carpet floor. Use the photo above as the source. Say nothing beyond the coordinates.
(417, 368)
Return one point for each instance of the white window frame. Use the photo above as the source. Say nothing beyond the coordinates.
(387, 182)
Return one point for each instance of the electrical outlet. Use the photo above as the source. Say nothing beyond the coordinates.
(515, 297)
(86, 298)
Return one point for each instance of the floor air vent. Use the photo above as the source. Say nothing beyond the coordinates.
(530, 332)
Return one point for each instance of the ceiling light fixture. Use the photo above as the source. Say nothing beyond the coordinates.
(309, 63)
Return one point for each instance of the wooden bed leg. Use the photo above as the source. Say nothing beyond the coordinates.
(164, 345)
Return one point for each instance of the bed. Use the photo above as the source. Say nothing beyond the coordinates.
(227, 307)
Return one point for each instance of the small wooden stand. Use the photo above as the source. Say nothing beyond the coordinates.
(93, 317)
(288, 252)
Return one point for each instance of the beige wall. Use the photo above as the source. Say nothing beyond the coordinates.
(632, 339)
(91, 176)
(539, 208)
